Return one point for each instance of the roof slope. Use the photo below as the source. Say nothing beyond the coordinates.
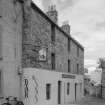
(34, 6)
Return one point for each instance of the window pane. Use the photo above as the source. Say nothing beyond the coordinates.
(52, 33)
(68, 88)
(69, 65)
(77, 51)
(77, 68)
(48, 91)
(53, 61)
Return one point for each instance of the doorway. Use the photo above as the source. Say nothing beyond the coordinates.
(59, 92)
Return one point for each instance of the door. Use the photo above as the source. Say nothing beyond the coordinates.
(59, 92)
(75, 91)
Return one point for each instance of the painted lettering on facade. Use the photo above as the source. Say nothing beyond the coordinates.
(68, 76)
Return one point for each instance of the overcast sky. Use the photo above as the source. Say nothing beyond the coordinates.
(87, 20)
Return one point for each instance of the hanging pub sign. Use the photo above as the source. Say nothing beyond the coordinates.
(42, 54)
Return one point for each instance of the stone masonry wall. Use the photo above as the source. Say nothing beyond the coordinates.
(17, 43)
(40, 37)
(61, 50)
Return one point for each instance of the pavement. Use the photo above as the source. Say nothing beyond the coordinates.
(89, 100)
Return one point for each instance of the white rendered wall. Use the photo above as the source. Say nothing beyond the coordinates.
(43, 77)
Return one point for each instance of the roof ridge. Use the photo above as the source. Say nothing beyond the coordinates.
(69, 36)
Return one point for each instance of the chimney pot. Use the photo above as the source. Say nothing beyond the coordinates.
(66, 27)
(52, 13)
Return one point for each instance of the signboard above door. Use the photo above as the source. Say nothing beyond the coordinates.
(68, 76)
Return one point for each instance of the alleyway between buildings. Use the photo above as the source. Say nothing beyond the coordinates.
(89, 100)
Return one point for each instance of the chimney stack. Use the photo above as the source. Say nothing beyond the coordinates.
(27, 2)
(66, 27)
(52, 13)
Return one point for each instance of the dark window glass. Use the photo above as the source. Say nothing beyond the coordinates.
(53, 61)
(77, 68)
(52, 33)
(69, 65)
(48, 91)
(77, 51)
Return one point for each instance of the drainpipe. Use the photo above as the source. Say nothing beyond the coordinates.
(22, 2)
(20, 71)
(21, 75)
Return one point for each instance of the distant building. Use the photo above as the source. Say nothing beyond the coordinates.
(91, 87)
(96, 76)
(85, 70)
(103, 79)
(40, 63)
(86, 84)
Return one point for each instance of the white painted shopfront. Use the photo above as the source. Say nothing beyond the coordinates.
(43, 87)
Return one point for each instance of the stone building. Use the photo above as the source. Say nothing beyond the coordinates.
(29, 38)
(64, 54)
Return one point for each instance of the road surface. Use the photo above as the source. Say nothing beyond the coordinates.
(89, 100)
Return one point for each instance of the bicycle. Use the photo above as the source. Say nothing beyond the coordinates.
(7, 101)
(18, 102)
